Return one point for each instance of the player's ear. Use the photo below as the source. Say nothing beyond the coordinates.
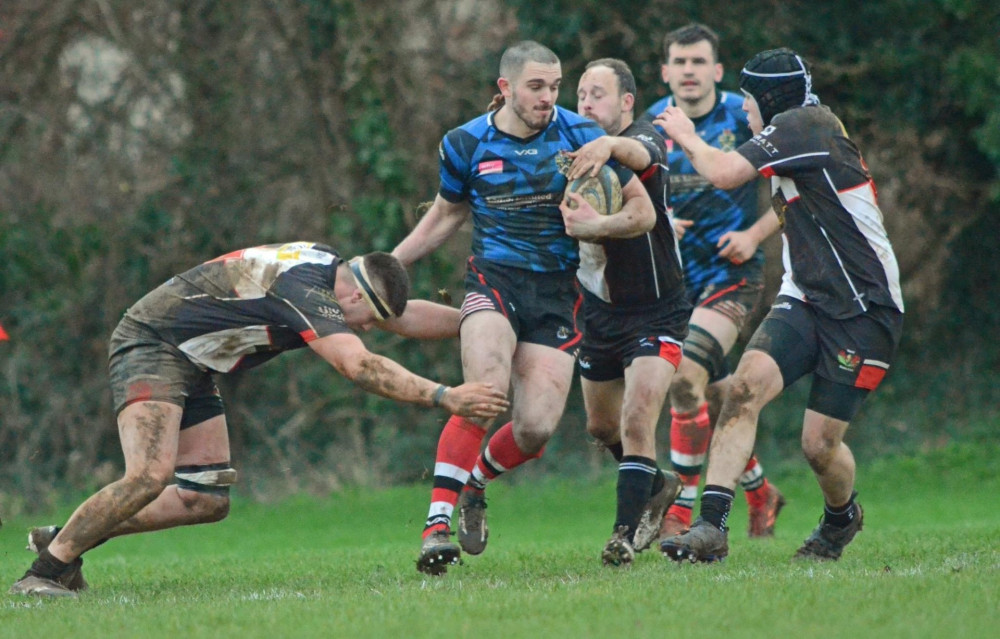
(718, 72)
(628, 102)
(504, 85)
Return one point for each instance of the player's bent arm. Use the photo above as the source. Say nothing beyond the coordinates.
(740, 246)
(382, 376)
(637, 215)
(372, 372)
(424, 319)
(629, 152)
(589, 158)
(440, 222)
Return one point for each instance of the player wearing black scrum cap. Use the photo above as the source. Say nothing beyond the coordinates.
(838, 315)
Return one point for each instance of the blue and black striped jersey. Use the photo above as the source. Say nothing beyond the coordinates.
(714, 211)
(514, 186)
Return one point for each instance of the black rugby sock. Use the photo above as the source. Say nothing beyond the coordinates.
(635, 479)
(658, 481)
(47, 566)
(715, 504)
(841, 516)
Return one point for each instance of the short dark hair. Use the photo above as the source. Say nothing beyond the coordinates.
(517, 55)
(626, 81)
(690, 34)
(389, 279)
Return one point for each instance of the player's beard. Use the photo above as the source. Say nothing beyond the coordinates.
(534, 120)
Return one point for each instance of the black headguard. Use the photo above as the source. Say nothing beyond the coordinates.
(778, 80)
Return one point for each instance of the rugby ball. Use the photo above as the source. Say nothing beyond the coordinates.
(603, 191)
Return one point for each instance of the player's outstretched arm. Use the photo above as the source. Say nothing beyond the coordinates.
(382, 376)
(724, 169)
(440, 222)
(424, 319)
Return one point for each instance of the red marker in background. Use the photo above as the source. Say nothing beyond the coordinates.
(3, 334)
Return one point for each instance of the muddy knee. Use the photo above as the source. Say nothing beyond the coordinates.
(206, 507)
(819, 450)
(684, 393)
(204, 489)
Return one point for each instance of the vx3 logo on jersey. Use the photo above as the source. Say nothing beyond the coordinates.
(527, 152)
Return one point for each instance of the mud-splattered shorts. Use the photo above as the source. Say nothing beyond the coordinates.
(848, 358)
(145, 368)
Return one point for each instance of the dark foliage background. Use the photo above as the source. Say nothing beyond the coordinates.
(138, 139)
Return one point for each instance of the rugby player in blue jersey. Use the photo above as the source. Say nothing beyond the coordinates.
(723, 267)
(519, 329)
(838, 315)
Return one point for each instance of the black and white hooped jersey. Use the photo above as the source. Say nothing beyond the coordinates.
(836, 252)
(243, 308)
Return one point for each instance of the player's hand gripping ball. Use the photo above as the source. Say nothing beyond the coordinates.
(603, 191)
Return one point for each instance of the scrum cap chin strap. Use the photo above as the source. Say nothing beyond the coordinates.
(377, 304)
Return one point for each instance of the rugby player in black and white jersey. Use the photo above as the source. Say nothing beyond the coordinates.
(233, 313)
(635, 313)
(838, 315)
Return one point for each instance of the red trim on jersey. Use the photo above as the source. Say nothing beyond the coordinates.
(308, 335)
(767, 172)
(648, 173)
(235, 255)
(490, 166)
(870, 184)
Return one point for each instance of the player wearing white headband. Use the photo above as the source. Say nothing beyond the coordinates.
(232, 313)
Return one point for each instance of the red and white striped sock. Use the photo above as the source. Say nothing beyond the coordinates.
(755, 484)
(502, 454)
(690, 434)
(457, 450)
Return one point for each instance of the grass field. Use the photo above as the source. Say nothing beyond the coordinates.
(927, 564)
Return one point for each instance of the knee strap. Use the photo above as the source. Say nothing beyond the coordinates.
(707, 352)
(206, 478)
